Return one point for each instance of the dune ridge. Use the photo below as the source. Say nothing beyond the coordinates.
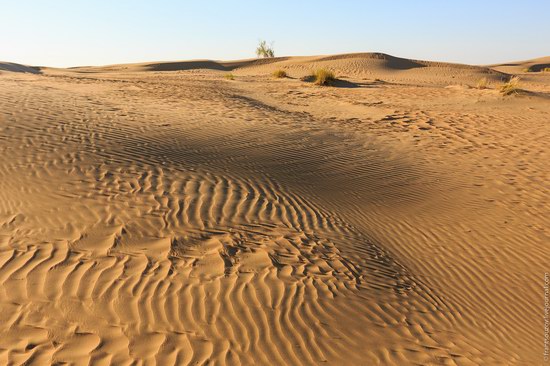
(13, 67)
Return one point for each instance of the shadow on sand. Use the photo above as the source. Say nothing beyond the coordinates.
(9, 66)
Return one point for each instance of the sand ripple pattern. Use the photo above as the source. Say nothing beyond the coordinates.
(172, 221)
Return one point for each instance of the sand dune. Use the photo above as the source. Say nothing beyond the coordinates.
(157, 213)
(534, 65)
(355, 64)
(12, 67)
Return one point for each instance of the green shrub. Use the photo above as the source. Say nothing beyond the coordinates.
(263, 50)
(230, 76)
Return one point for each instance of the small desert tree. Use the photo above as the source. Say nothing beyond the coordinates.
(265, 50)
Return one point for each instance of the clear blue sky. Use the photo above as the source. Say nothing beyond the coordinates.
(77, 32)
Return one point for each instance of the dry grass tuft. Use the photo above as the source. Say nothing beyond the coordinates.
(323, 77)
(280, 73)
(230, 76)
(482, 83)
(511, 86)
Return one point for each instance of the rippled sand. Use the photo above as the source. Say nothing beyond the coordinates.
(161, 214)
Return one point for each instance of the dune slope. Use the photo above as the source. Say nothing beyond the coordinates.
(13, 67)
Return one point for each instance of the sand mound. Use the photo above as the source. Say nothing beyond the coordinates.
(356, 65)
(518, 67)
(158, 213)
(11, 67)
(181, 65)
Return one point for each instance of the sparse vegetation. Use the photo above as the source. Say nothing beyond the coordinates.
(323, 77)
(280, 73)
(482, 83)
(536, 68)
(230, 76)
(511, 86)
(265, 50)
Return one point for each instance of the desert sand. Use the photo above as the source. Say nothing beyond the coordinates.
(160, 213)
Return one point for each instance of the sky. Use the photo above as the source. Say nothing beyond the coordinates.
(66, 33)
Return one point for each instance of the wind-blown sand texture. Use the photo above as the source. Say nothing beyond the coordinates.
(161, 214)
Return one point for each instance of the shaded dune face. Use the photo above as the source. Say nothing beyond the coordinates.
(173, 221)
(12, 67)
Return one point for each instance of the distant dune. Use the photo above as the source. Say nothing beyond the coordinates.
(11, 67)
(356, 65)
(162, 214)
(517, 67)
